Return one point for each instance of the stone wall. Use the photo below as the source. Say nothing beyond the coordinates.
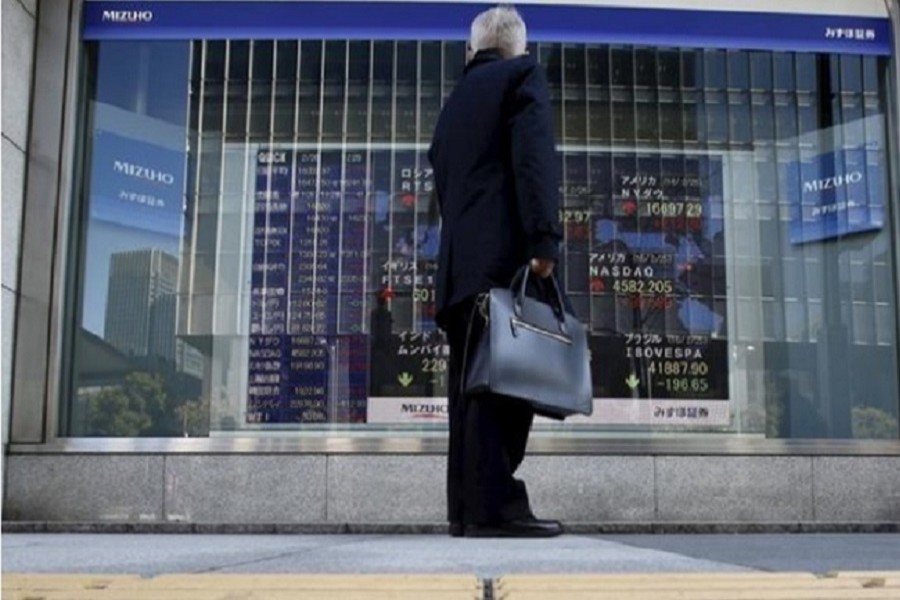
(19, 21)
(336, 489)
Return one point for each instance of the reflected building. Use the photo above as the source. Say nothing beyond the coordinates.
(141, 309)
(140, 303)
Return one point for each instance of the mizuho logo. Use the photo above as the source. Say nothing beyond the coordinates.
(127, 16)
(425, 409)
(830, 183)
(143, 173)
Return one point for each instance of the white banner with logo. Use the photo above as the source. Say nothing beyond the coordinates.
(607, 411)
(407, 410)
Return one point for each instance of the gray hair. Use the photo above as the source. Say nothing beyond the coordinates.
(500, 27)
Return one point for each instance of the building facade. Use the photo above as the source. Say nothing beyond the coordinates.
(219, 296)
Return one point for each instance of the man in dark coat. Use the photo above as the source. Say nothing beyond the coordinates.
(496, 179)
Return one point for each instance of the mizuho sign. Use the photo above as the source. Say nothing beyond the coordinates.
(147, 173)
(830, 183)
(127, 16)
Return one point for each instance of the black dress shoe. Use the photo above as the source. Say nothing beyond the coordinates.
(457, 529)
(519, 528)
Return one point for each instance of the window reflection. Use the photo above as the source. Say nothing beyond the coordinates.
(276, 269)
(133, 374)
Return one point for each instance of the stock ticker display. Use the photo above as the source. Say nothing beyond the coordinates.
(345, 249)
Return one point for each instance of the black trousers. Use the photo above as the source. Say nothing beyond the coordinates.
(488, 434)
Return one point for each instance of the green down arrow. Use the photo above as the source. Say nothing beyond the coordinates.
(632, 382)
(405, 379)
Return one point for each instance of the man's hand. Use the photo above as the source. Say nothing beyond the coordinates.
(542, 266)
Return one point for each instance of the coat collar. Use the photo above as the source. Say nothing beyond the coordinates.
(483, 56)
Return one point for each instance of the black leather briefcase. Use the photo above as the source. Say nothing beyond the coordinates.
(532, 350)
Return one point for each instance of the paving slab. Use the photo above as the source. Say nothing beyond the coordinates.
(150, 555)
(818, 553)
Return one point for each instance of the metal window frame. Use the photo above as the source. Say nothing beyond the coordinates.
(552, 444)
(38, 366)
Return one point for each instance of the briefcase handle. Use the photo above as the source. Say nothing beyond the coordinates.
(558, 309)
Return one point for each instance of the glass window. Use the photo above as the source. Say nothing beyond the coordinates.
(622, 66)
(285, 91)
(715, 69)
(430, 100)
(598, 65)
(668, 68)
(261, 239)
(132, 374)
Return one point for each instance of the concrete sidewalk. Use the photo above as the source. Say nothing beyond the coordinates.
(156, 554)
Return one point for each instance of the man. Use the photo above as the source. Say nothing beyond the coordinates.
(495, 175)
